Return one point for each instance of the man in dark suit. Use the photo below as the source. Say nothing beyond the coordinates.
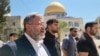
(31, 43)
(86, 45)
(50, 40)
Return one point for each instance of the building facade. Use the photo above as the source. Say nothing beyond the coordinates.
(55, 10)
(98, 21)
(13, 25)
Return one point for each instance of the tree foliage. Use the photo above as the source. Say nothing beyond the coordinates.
(63, 26)
(4, 9)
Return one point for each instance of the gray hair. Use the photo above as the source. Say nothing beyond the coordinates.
(28, 19)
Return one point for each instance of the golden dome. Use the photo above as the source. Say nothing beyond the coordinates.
(54, 7)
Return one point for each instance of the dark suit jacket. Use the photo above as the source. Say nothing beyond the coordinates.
(86, 44)
(24, 48)
(52, 44)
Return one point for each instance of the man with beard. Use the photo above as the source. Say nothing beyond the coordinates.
(51, 40)
(86, 45)
(69, 43)
(31, 43)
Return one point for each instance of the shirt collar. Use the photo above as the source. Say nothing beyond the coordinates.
(32, 41)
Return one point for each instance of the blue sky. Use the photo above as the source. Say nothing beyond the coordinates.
(89, 10)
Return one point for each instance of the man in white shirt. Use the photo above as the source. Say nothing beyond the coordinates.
(31, 43)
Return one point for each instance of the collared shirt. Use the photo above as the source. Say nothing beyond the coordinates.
(74, 39)
(69, 44)
(37, 46)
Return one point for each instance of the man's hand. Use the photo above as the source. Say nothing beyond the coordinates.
(83, 53)
(64, 52)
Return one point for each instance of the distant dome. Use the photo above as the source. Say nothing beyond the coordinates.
(54, 7)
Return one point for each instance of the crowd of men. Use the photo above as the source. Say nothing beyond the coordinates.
(40, 40)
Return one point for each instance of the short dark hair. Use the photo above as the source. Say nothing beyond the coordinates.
(90, 24)
(71, 29)
(51, 21)
(12, 34)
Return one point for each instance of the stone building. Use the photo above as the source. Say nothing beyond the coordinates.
(56, 10)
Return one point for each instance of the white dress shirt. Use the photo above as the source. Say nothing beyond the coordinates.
(1, 43)
(39, 49)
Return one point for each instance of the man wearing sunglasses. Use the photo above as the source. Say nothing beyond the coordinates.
(69, 43)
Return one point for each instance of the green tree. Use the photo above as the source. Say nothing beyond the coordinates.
(4, 9)
(62, 28)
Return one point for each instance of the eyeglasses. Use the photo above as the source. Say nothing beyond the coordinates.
(41, 24)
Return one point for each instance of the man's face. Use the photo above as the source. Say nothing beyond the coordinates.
(54, 27)
(14, 37)
(94, 29)
(37, 28)
(74, 32)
